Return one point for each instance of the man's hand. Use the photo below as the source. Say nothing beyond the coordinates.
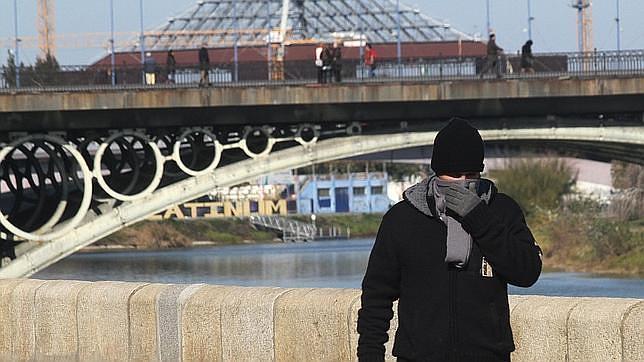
(461, 200)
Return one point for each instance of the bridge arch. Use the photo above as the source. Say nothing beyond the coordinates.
(112, 219)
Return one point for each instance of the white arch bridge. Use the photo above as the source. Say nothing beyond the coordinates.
(66, 195)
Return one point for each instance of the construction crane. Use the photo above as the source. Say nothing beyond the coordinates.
(276, 62)
(46, 25)
(584, 25)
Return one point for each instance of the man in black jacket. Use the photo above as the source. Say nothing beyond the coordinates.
(527, 59)
(446, 253)
(204, 66)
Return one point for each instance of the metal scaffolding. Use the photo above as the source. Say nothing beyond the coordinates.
(217, 24)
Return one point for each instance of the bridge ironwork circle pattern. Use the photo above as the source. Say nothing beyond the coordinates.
(55, 226)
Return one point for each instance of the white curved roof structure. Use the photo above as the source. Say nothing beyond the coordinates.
(219, 22)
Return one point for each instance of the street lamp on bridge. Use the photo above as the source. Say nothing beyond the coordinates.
(17, 46)
(530, 20)
(112, 55)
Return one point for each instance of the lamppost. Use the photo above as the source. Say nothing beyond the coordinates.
(142, 40)
(357, 28)
(487, 14)
(530, 19)
(268, 38)
(235, 51)
(619, 46)
(112, 56)
(398, 45)
(17, 46)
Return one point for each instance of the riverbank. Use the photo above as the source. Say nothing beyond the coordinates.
(223, 231)
(580, 242)
(573, 256)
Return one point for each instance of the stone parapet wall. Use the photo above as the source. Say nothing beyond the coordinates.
(268, 95)
(73, 320)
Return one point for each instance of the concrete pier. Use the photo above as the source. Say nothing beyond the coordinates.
(73, 320)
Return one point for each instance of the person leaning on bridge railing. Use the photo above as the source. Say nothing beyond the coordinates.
(446, 253)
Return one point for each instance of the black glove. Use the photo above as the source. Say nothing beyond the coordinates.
(461, 200)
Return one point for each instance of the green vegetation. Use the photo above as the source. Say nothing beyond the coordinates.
(575, 232)
(176, 234)
(535, 184)
(9, 70)
(46, 71)
(182, 233)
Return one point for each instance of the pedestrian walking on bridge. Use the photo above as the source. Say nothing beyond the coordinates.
(204, 66)
(447, 253)
(336, 62)
(527, 59)
(492, 60)
(171, 66)
(327, 62)
(370, 60)
(318, 62)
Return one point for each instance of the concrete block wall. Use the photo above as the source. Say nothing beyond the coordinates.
(74, 320)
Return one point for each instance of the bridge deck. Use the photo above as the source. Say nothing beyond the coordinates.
(161, 107)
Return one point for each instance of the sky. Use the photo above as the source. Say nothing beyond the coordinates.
(554, 25)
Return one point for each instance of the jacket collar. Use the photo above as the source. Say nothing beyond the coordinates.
(418, 196)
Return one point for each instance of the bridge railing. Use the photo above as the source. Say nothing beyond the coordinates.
(544, 65)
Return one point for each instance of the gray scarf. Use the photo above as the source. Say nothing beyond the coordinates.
(459, 242)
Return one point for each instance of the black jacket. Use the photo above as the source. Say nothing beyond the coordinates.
(326, 56)
(526, 56)
(444, 313)
(204, 59)
(171, 63)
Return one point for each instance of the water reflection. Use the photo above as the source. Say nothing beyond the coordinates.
(338, 264)
(330, 263)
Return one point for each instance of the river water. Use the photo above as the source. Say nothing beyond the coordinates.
(337, 264)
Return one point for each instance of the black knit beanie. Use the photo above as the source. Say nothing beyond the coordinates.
(458, 147)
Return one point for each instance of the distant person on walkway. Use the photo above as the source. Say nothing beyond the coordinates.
(527, 59)
(123, 74)
(171, 66)
(318, 62)
(150, 69)
(336, 62)
(447, 253)
(492, 60)
(204, 66)
(370, 60)
(327, 59)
